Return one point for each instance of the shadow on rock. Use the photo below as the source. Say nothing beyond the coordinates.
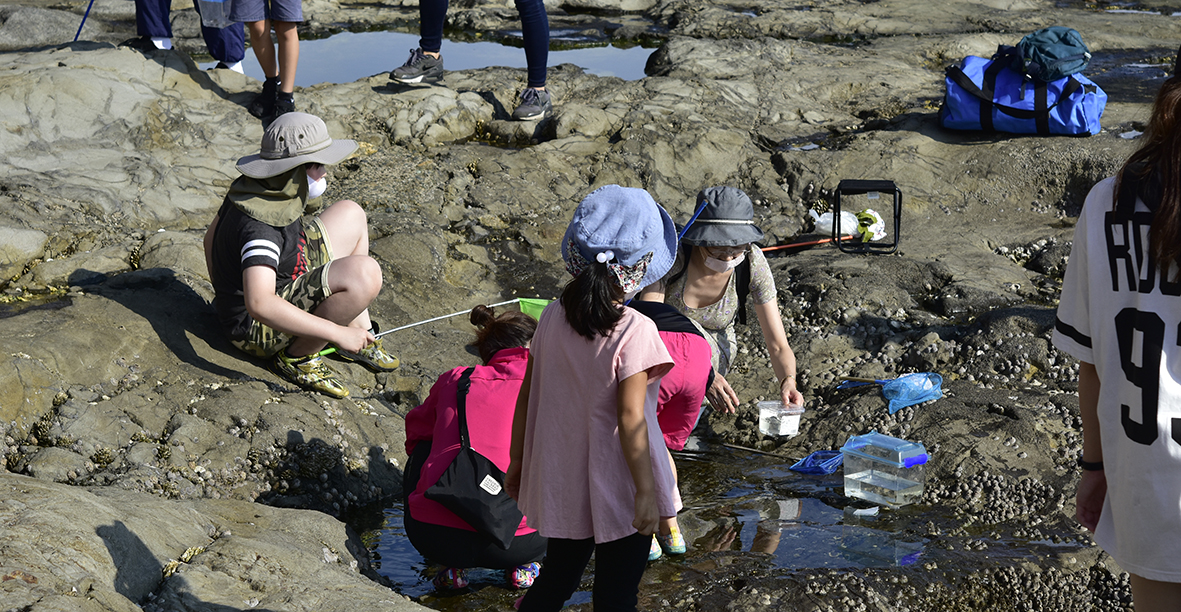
(138, 574)
(173, 309)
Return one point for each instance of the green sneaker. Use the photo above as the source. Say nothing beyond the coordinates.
(372, 356)
(309, 372)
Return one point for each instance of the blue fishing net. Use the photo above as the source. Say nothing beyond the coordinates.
(819, 462)
(911, 389)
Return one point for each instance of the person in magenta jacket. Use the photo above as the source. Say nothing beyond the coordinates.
(432, 442)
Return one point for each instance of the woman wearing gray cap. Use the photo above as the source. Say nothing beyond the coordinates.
(717, 266)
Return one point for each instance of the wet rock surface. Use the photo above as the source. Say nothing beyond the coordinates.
(118, 386)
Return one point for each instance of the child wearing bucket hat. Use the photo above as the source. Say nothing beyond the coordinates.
(588, 464)
(719, 265)
(286, 286)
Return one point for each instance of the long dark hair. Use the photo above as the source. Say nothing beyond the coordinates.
(1158, 162)
(509, 330)
(589, 301)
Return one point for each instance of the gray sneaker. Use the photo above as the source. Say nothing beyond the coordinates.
(420, 66)
(535, 104)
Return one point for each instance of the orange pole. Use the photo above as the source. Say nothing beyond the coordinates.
(809, 243)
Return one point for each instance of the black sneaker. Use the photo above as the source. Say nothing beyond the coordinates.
(420, 66)
(284, 103)
(263, 105)
(140, 43)
(535, 104)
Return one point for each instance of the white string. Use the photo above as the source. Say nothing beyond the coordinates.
(454, 314)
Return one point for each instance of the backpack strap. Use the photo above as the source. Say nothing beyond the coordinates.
(1041, 104)
(742, 278)
(465, 385)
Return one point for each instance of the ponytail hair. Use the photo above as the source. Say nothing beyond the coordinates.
(589, 301)
(511, 329)
(1158, 163)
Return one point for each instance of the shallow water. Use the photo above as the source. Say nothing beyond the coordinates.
(744, 504)
(349, 56)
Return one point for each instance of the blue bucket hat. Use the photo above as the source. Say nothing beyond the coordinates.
(622, 227)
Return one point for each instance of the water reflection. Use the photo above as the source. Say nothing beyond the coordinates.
(741, 504)
(349, 56)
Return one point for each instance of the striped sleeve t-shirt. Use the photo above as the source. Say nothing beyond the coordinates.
(240, 242)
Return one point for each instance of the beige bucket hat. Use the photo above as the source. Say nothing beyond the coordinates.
(293, 139)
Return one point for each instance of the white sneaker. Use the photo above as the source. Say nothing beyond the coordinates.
(162, 43)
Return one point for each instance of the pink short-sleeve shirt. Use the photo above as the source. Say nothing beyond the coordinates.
(575, 483)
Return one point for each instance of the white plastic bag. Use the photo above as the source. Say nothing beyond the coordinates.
(849, 222)
(873, 223)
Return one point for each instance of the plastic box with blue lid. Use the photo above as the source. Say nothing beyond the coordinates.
(883, 469)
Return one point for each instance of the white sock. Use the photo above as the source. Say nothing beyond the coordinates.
(237, 67)
(162, 43)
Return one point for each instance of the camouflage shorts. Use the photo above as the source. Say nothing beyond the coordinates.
(307, 292)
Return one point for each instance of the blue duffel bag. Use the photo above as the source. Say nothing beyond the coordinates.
(989, 95)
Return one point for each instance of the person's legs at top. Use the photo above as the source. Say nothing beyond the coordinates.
(285, 16)
(254, 14)
(535, 100)
(152, 24)
(227, 45)
(263, 104)
(425, 62)
(565, 561)
(1154, 595)
(288, 35)
(431, 16)
(619, 565)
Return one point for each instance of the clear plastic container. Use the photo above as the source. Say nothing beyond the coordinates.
(884, 470)
(775, 419)
(215, 13)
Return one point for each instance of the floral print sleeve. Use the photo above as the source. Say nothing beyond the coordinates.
(762, 284)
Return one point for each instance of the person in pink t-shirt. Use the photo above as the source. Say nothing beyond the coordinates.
(432, 442)
(588, 463)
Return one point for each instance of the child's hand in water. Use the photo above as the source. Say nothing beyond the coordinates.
(647, 514)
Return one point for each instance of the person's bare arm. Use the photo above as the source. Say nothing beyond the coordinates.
(783, 359)
(633, 438)
(1092, 488)
(258, 289)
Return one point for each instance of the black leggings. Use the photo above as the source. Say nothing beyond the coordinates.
(460, 548)
(619, 565)
(455, 547)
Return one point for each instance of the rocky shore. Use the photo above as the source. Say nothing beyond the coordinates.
(145, 464)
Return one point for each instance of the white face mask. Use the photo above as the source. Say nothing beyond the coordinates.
(317, 188)
(719, 265)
